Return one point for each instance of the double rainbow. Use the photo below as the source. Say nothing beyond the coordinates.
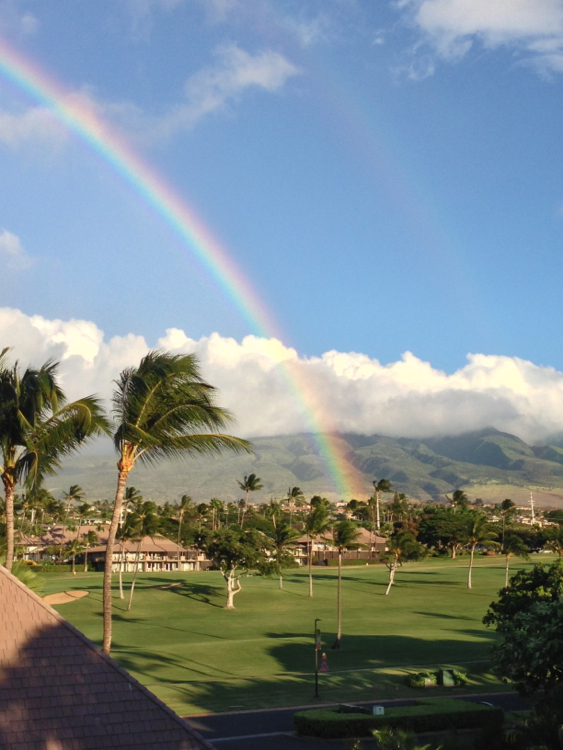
(105, 141)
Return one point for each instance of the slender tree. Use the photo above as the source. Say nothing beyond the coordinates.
(74, 548)
(317, 522)
(90, 540)
(186, 504)
(344, 536)
(142, 522)
(383, 485)
(479, 532)
(38, 429)
(401, 547)
(251, 483)
(507, 510)
(283, 539)
(161, 409)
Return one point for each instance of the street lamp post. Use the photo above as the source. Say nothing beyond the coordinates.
(317, 649)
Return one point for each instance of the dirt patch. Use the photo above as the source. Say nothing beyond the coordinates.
(65, 596)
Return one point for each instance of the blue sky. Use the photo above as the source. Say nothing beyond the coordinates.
(388, 174)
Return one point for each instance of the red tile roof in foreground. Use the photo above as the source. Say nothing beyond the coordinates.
(58, 691)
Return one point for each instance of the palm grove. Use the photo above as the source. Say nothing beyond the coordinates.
(164, 409)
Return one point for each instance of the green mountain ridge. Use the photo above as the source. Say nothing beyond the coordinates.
(425, 469)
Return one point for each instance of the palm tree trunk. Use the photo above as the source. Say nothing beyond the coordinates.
(506, 576)
(179, 531)
(123, 472)
(9, 485)
(378, 517)
(336, 644)
(74, 565)
(121, 561)
(134, 575)
(470, 567)
(281, 581)
(310, 566)
(86, 560)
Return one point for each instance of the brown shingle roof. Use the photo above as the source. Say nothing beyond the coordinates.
(58, 690)
(148, 544)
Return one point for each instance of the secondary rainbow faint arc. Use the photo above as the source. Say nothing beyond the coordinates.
(151, 187)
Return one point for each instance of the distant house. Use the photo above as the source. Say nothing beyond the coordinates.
(323, 549)
(156, 555)
(58, 691)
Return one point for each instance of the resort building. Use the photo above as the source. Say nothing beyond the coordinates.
(155, 554)
(323, 548)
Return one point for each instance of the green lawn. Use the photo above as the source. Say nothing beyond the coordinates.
(198, 657)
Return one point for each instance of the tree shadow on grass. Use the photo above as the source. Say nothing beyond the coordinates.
(442, 616)
(199, 592)
(154, 661)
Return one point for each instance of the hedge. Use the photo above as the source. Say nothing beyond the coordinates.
(426, 716)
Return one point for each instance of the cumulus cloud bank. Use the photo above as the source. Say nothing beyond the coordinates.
(406, 398)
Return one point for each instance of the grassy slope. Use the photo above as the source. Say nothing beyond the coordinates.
(198, 657)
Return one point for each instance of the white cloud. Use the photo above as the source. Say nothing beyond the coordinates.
(406, 398)
(207, 91)
(533, 28)
(12, 254)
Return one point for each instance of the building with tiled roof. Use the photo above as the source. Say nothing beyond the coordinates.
(157, 554)
(58, 691)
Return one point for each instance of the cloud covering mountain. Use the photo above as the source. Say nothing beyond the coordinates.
(407, 398)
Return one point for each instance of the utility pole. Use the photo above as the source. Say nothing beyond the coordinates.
(532, 507)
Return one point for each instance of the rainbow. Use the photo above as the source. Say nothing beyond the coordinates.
(105, 141)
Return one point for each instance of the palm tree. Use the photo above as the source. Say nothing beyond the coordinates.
(507, 510)
(250, 484)
(90, 540)
(38, 429)
(161, 409)
(283, 539)
(132, 497)
(458, 500)
(344, 535)
(384, 485)
(316, 522)
(513, 544)
(479, 532)
(142, 522)
(185, 505)
(295, 496)
(74, 548)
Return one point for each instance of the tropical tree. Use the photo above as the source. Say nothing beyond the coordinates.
(74, 548)
(283, 540)
(479, 532)
(251, 483)
(185, 506)
(38, 428)
(513, 544)
(236, 552)
(90, 540)
(507, 509)
(317, 522)
(401, 547)
(458, 500)
(344, 536)
(142, 522)
(295, 498)
(161, 409)
(383, 485)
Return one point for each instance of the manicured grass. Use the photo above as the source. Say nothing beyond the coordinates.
(198, 657)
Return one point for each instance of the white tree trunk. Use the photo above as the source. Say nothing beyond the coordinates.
(233, 587)
(311, 567)
(281, 581)
(470, 567)
(121, 559)
(392, 570)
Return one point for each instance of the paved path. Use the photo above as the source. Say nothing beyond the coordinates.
(273, 728)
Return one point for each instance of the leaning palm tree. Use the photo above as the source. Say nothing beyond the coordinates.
(38, 428)
(383, 485)
(479, 532)
(344, 536)
(161, 409)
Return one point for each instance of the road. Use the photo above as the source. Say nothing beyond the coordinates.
(254, 730)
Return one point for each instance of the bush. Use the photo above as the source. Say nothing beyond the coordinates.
(428, 679)
(426, 716)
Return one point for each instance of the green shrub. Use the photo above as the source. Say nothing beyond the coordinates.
(459, 677)
(426, 716)
(422, 679)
